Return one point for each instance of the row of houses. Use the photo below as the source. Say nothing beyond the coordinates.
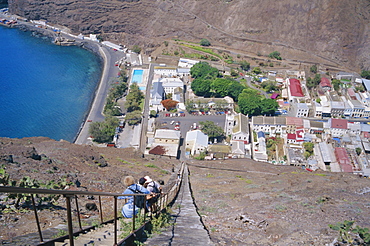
(335, 140)
(350, 104)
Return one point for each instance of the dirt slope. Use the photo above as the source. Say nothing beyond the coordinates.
(334, 29)
(242, 202)
(88, 168)
(252, 203)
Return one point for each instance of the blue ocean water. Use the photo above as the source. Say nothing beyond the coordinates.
(45, 90)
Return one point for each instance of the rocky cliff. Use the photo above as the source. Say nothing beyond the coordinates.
(334, 29)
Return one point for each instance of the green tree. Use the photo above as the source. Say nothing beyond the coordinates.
(234, 73)
(212, 130)
(104, 131)
(275, 54)
(358, 151)
(317, 79)
(203, 70)
(336, 84)
(309, 83)
(136, 49)
(134, 98)
(244, 65)
(365, 74)
(219, 87)
(205, 42)
(249, 103)
(257, 70)
(268, 106)
(313, 69)
(201, 87)
(233, 89)
(308, 146)
(153, 113)
(269, 86)
(133, 117)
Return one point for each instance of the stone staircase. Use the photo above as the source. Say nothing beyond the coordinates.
(102, 236)
(186, 227)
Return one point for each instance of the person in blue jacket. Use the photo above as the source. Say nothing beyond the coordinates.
(128, 209)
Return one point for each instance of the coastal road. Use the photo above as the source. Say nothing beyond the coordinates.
(110, 57)
(109, 71)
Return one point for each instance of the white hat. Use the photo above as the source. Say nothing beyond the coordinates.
(147, 179)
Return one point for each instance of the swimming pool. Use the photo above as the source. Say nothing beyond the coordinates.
(142, 88)
(137, 76)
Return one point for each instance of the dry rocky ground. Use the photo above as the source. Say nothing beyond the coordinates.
(87, 168)
(241, 202)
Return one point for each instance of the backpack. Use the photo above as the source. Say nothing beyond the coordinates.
(139, 200)
(155, 189)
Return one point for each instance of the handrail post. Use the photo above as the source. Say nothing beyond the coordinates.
(37, 218)
(115, 220)
(100, 210)
(69, 219)
(133, 215)
(78, 213)
(145, 209)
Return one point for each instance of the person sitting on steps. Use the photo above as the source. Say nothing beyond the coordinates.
(130, 209)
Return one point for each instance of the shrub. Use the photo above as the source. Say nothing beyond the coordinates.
(205, 42)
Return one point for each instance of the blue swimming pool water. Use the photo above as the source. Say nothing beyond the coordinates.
(142, 88)
(137, 76)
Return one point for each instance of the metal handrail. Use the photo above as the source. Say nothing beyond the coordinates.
(162, 203)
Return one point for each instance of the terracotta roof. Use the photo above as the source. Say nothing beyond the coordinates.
(339, 123)
(325, 82)
(294, 121)
(351, 92)
(158, 150)
(343, 159)
(295, 88)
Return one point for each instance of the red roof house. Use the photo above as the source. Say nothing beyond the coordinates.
(343, 160)
(338, 123)
(351, 93)
(325, 83)
(295, 121)
(295, 88)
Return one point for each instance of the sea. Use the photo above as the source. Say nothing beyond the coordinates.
(45, 90)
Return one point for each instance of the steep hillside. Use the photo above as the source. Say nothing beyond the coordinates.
(334, 29)
(87, 168)
(241, 202)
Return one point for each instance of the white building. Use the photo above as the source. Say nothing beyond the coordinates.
(165, 71)
(186, 63)
(171, 84)
(196, 142)
(166, 143)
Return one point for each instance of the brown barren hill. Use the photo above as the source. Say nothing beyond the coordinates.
(243, 202)
(326, 32)
(85, 168)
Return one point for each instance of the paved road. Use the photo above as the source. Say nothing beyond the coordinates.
(109, 71)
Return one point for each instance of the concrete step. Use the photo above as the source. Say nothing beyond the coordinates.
(103, 236)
